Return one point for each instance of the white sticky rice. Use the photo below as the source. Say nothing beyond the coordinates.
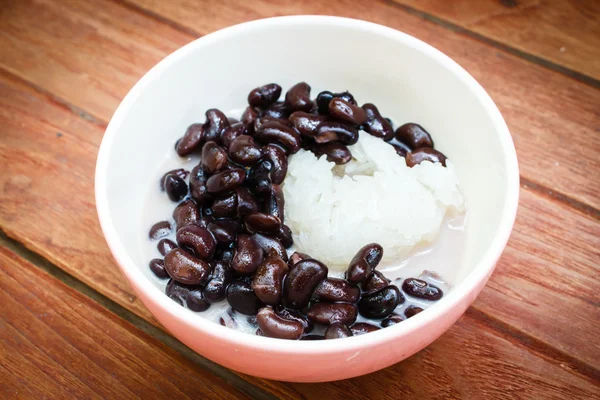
(335, 210)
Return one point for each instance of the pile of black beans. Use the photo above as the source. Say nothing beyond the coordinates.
(231, 239)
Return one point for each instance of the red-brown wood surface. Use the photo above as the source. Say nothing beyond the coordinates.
(66, 65)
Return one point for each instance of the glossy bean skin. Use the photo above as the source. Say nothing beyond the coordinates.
(376, 125)
(244, 151)
(247, 256)
(259, 178)
(364, 262)
(232, 132)
(249, 115)
(275, 326)
(214, 158)
(307, 123)
(392, 319)
(242, 299)
(225, 255)
(412, 311)
(225, 207)
(335, 131)
(186, 213)
(401, 151)
(296, 257)
(337, 330)
(289, 313)
(191, 140)
(246, 202)
(301, 281)
(343, 110)
(159, 230)
(157, 266)
(224, 181)
(199, 240)
(361, 328)
(421, 289)
(414, 136)
(179, 172)
(260, 122)
(275, 202)
(269, 244)
(417, 156)
(285, 236)
(375, 282)
(335, 152)
(268, 280)
(329, 313)
(279, 162)
(175, 187)
(185, 268)
(380, 304)
(165, 245)
(262, 223)
(325, 97)
(205, 220)
(216, 287)
(216, 122)
(335, 289)
(198, 189)
(224, 230)
(265, 95)
(298, 97)
(278, 110)
(187, 296)
(273, 131)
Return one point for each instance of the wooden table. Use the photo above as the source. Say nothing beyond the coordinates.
(70, 326)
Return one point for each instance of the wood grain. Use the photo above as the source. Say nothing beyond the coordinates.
(563, 32)
(56, 343)
(555, 139)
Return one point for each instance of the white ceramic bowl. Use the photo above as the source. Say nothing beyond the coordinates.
(407, 79)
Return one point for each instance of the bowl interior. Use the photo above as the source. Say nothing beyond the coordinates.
(407, 80)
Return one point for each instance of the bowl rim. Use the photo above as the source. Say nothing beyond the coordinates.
(470, 284)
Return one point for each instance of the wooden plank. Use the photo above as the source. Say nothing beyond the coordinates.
(563, 32)
(564, 291)
(555, 140)
(56, 343)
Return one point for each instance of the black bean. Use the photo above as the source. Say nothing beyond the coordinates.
(275, 326)
(289, 313)
(199, 240)
(265, 95)
(246, 202)
(376, 125)
(158, 267)
(273, 131)
(337, 330)
(160, 230)
(275, 202)
(243, 150)
(400, 150)
(205, 220)
(335, 289)
(375, 282)
(259, 178)
(301, 281)
(298, 97)
(191, 140)
(329, 313)
(224, 254)
(224, 181)
(216, 122)
(260, 122)
(392, 319)
(306, 123)
(276, 155)
(361, 328)
(268, 280)
(198, 186)
(224, 230)
(345, 111)
(335, 152)
(334, 131)
(242, 299)
(278, 110)
(214, 158)
(364, 262)
(225, 207)
(175, 187)
(180, 172)
(262, 223)
(165, 245)
(380, 304)
(425, 154)
(248, 255)
(187, 296)
(185, 268)
(216, 287)
(421, 289)
(346, 96)
(232, 120)
(414, 136)
(323, 100)
(250, 114)
(285, 236)
(296, 257)
(235, 130)
(186, 213)
(411, 311)
(268, 244)
(312, 337)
